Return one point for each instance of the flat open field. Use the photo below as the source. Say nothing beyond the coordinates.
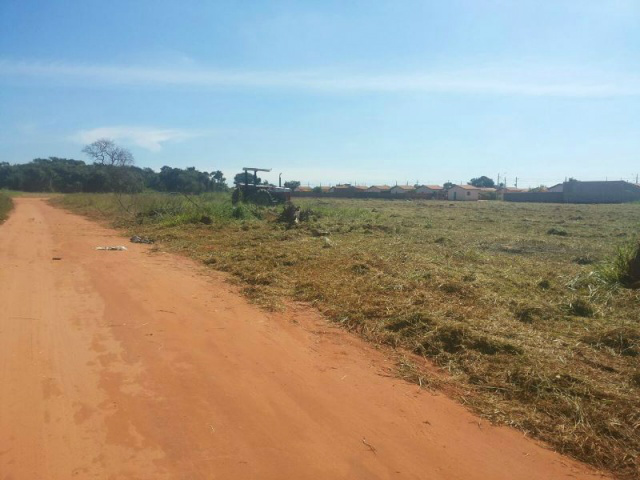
(514, 301)
(142, 364)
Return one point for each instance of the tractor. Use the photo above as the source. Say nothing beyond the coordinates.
(264, 195)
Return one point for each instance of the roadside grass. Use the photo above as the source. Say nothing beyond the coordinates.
(530, 337)
(17, 193)
(6, 204)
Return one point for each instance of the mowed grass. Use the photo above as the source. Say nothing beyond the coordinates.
(514, 301)
(6, 204)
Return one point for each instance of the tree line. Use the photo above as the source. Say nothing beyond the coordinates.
(112, 170)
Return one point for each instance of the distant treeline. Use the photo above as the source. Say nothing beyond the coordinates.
(68, 176)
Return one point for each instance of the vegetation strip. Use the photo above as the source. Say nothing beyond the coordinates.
(539, 330)
(6, 204)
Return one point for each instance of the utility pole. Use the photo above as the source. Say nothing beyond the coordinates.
(498, 179)
(636, 178)
(516, 182)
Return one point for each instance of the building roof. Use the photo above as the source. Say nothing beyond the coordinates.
(303, 188)
(512, 190)
(432, 187)
(348, 186)
(380, 187)
(471, 187)
(405, 187)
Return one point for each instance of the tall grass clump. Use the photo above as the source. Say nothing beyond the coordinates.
(623, 268)
(6, 204)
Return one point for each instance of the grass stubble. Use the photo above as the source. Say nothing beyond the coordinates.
(526, 307)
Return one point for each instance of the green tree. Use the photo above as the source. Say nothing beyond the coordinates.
(482, 182)
(292, 184)
(240, 178)
(218, 182)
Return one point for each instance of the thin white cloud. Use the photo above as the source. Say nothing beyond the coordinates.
(149, 138)
(531, 81)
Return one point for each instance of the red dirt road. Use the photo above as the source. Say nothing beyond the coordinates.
(142, 365)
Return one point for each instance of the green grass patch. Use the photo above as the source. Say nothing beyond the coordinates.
(6, 205)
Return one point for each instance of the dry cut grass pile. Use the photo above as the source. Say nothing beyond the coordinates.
(526, 305)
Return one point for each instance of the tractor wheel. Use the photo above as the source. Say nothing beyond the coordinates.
(263, 198)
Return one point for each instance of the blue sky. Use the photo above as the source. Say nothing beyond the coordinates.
(328, 92)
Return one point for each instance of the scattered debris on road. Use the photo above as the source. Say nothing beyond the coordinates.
(116, 247)
(138, 239)
(56, 258)
(371, 447)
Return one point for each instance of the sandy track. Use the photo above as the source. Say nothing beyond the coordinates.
(140, 365)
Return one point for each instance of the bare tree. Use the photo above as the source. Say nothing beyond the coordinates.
(116, 164)
(104, 151)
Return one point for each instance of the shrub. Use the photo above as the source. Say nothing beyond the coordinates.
(6, 204)
(581, 308)
(561, 232)
(623, 268)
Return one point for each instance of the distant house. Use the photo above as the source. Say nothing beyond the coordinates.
(511, 190)
(347, 190)
(379, 189)
(402, 189)
(615, 191)
(303, 189)
(431, 191)
(501, 191)
(340, 188)
(469, 193)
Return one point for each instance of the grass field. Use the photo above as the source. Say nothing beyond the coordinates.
(522, 304)
(6, 204)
